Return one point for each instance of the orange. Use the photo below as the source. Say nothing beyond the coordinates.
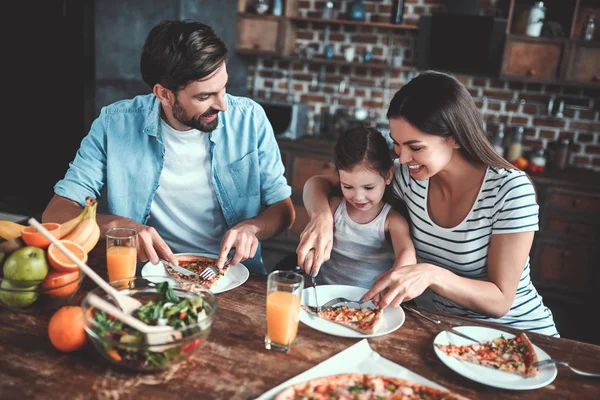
(59, 260)
(32, 237)
(61, 281)
(66, 329)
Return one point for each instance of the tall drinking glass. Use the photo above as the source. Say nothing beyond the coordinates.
(284, 290)
(121, 253)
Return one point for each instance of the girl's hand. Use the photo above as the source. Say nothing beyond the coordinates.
(315, 243)
(400, 284)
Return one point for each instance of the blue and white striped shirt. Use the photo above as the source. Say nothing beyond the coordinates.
(506, 203)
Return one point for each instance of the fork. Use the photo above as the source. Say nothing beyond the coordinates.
(577, 371)
(339, 300)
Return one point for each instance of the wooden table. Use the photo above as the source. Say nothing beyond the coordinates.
(235, 365)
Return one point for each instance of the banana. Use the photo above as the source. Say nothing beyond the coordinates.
(10, 230)
(87, 232)
(68, 227)
(92, 240)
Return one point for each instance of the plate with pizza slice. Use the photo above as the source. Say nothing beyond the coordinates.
(348, 320)
(233, 275)
(500, 359)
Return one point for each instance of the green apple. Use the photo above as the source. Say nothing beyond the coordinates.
(11, 296)
(26, 264)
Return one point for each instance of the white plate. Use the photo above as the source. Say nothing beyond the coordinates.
(393, 318)
(486, 375)
(236, 274)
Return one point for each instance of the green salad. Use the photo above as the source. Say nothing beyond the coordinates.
(128, 346)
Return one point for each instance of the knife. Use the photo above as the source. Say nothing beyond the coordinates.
(183, 271)
(314, 285)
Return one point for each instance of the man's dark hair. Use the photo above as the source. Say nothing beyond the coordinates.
(178, 52)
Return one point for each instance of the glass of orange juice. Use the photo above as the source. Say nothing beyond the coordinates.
(284, 290)
(121, 253)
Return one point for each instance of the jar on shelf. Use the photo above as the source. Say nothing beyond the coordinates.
(537, 14)
(561, 157)
(590, 28)
(515, 150)
(499, 140)
(537, 161)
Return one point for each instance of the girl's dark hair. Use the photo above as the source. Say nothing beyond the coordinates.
(362, 144)
(177, 52)
(438, 104)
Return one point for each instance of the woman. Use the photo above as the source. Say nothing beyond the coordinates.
(473, 215)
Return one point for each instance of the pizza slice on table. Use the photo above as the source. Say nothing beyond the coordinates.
(352, 386)
(196, 264)
(364, 320)
(515, 355)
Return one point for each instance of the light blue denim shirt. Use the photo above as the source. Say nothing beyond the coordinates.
(120, 161)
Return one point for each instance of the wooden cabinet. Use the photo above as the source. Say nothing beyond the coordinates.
(559, 55)
(566, 250)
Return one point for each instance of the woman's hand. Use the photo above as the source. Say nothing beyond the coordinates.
(400, 284)
(315, 243)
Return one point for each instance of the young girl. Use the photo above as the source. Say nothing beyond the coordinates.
(472, 214)
(369, 237)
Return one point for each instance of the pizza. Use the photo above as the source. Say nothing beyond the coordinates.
(363, 386)
(364, 320)
(515, 355)
(196, 264)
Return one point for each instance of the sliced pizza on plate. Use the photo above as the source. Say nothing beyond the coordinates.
(515, 355)
(196, 264)
(364, 320)
(352, 386)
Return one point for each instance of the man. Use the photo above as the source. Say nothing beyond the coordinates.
(188, 166)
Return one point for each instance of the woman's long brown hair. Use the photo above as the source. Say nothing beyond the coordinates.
(438, 104)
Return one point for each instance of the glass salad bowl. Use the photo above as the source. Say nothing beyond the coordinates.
(164, 303)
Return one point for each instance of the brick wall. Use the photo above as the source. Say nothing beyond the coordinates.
(344, 89)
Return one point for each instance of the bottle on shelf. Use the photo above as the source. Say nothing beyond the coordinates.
(561, 157)
(590, 28)
(537, 161)
(397, 11)
(356, 11)
(277, 8)
(261, 6)
(499, 140)
(327, 12)
(515, 150)
(537, 14)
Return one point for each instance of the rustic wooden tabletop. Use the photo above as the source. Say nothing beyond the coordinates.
(234, 364)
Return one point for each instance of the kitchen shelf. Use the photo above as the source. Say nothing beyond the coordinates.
(341, 62)
(265, 17)
(356, 23)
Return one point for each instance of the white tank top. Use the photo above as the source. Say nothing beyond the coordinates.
(360, 251)
(185, 210)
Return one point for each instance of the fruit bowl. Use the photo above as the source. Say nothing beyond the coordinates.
(39, 296)
(127, 348)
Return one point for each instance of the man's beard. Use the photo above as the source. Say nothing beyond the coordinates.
(179, 115)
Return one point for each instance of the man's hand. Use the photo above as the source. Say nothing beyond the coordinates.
(152, 247)
(245, 242)
(315, 244)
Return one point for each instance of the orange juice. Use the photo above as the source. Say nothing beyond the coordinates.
(121, 261)
(283, 312)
